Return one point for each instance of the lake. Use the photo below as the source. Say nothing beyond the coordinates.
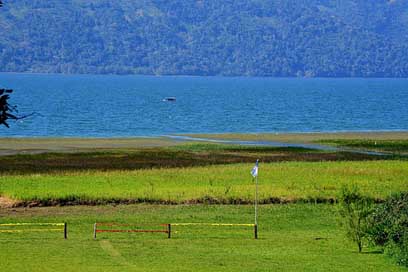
(126, 106)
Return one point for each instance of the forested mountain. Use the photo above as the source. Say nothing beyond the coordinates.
(328, 38)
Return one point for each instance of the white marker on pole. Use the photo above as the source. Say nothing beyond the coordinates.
(254, 173)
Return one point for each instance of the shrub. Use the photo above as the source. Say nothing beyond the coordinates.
(389, 227)
(398, 251)
(355, 210)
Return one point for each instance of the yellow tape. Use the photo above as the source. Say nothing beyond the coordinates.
(31, 230)
(211, 224)
(32, 224)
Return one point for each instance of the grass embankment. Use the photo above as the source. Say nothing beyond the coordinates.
(292, 238)
(279, 182)
(181, 155)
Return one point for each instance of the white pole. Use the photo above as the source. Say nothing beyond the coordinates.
(254, 173)
(256, 200)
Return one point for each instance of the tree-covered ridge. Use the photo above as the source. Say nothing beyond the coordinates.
(217, 37)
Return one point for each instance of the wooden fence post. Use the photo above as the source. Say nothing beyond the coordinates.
(94, 234)
(169, 230)
(65, 231)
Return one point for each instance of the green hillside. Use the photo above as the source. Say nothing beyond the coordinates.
(327, 38)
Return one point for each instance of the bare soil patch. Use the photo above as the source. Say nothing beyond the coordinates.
(6, 202)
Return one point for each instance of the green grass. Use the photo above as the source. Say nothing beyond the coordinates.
(292, 238)
(290, 181)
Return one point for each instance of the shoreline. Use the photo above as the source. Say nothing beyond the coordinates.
(342, 133)
(155, 75)
(35, 145)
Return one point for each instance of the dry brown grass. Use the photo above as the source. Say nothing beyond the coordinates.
(146, 158)
(6, 202)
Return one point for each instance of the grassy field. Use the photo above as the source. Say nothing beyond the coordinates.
(299, 237)
(279, 182)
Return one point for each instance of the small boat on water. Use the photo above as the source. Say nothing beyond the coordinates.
(169, 99)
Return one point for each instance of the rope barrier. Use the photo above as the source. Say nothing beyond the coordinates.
(167, 230)
(163, 231)
(31, 230)
(31, 224)
(96, 230)
(129, 225)
(212, 224)
(20, 230)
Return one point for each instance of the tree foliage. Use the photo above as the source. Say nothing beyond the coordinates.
(384, 225)
(355, 209)
(6, 110)
(242, 37)
(389, 227)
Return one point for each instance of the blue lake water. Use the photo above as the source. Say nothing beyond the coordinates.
(125, 106)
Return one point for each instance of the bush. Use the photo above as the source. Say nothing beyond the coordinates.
(355, 210)
(398, 251)
(388, 227)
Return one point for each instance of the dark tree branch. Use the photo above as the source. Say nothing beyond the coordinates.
(7, 111)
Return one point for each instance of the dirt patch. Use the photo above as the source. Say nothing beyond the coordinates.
(6, 202)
